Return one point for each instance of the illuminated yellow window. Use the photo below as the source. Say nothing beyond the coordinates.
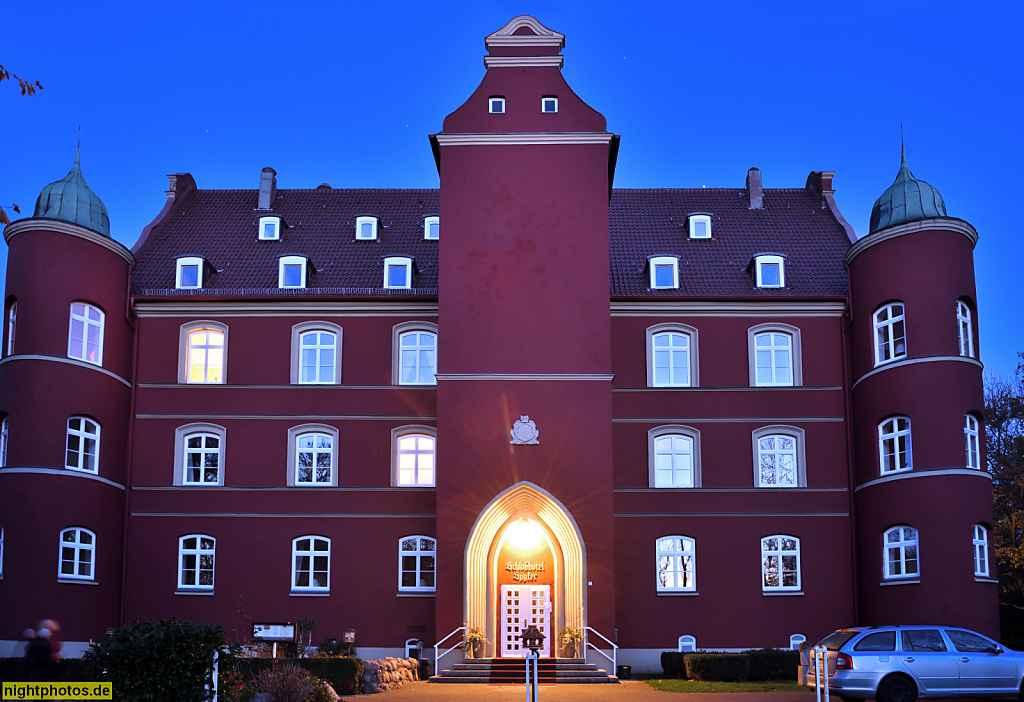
(205, 356)
(416, 460)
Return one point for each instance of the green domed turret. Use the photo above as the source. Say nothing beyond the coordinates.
(907, 199)
(71, 200)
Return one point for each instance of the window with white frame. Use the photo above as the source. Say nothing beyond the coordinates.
(196, 554)
(205, 351)
(664, 272)
(413, 457)
(894, 449)
(432, 228)
(1, 553)
(416, 563)
(398, 272)
(189, 273)
(779, 459)
(292, 272)
(85, 337)
(677, 564)
(318, 354)
(795, 640)
(12, 326)
(965, 331)
(972, 438)
(780, 563)
(496, 105)
(415, 354)
(202, 455)
(549, 104)
(366, 228)
(270, 228)
(700, 226)
(980, 543)
(3, 441)
(890, 333)
(314, 459)
(671, 356)
(773, 359)
(900, 555)
(770, 271)
(77, 557)
(83, 445)
(687, 643)
(311, 564)
(674, 457)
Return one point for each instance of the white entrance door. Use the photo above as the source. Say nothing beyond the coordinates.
(522, 605)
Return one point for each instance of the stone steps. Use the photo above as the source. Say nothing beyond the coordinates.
(512, 671)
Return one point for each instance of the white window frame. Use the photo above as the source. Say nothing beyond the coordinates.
(777, 555)
(398, 262)
(187, 262)
(318, 445)
(890, 332)
(795, 640)
(972, 440)
(12, 326)
(299, 333)
(965, 330)
(83, 436)
(687, 643)
(1, 553)
(86, 322)
(894, 440)
(81, 554)
(186, 349)
(400, 435)
(659, 331)
(544, 104)
(366, 219)
(311, 553)
(767, 260)
(681, 563)
(798, 453)
(298, 432)
(286, 262)
(4, 427)
(796, 375)
(275, 223)
(899, 548)
(399, 332)
(206, 434)
(419, 554)
(496, 105)
(656, 436)
(428, 223)
(199, 552)
(979, 540)
(693, 220)
(657, 262)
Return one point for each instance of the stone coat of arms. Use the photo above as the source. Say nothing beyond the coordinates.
(524, 431)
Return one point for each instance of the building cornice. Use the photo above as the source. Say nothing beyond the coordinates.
(523, 61)
(35, 224)
(727, 420)
(69, 361)
(181, 308)
(36, 470)
(525, 376)
(524, 138)
(914, 361)
(727, 308)
(949, 224)
(928, 473)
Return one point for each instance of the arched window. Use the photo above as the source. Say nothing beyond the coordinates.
(12, 326)
(779, 457)
(780, 563)
(965, 331)
(671, 356)
(774, 355)
(795, 640)
(901, 556)
(894, 452)
(85, 338)
(890, 333)
(677, 564)
(674, 457)
(314, 459)
(203, 353)
(687, 643)
(416, 563)
(77, 558)
(83, 445)
(980, 542)
(195, 561)
(311, 564)
(413, 452)
(3, 441)
(317, 357)
(415, 354)
(972, 438)
(202, 459)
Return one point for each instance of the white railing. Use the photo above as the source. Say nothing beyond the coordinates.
(615, 649)
(439, 656)
(819, 657)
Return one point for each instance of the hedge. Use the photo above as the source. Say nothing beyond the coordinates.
(773, 664)
(64, 670)
(718, 667)
(673, 664)
(341, 673)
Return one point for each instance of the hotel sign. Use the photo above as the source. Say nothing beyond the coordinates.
(524, 571)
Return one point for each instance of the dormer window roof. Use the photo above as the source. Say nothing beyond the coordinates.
(398, 272)
(366, 228)
(291, 272)
(270, 228)
(700, 226)
(769, 271)
(189, 273)
(664, 272)
(432, 228)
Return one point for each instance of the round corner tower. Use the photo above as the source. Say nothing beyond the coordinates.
(923, 497)
(65, 394)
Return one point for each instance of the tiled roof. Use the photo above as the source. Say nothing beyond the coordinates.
(221, 226)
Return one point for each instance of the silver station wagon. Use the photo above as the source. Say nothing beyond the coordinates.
(902, 663)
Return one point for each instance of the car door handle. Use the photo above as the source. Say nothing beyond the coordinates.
(965, 659)
(910, 659)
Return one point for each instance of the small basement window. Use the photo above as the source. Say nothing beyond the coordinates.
(700, 226)
(549, 104)
(398, 272)
(496, 105)
(189, 275)
(292, 272)
(366, 228)
(770, 271)
(432, 228)
(664, 272)
(270, 228)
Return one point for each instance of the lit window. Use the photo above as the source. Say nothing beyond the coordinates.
(674, 457)
(83, 445)
(195, 562)
(894, 453)
(549, 104)
(795, 640)
(677, 564)
(432, 228)
(189, 273)
(270, 228)
(972, 439)
(317, 355)
(901, 559)
(770, 271)
(700, 226)
(77, 558)
(980, 541)
(664, 272)
(12, 324)
(1, 552)
(890, 334)
(205, 355)
(314, 459)
(202, 460)
(780, 563)
(85, 340)
(773, 359)
(398, 272)
(496, 105)
(671, 356)
(3, 441)
(292, 272)
(416, 563)
(417, 358)
(311, 564)
(687, 643)
(366, 228)
(964, 329)
(779, 457)
(415, 460)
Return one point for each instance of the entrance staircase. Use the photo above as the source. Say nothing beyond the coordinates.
(512, 671)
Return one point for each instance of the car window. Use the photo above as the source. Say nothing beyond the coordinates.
(968, 642)
(878, 641)
(923, 640)
(836, 640)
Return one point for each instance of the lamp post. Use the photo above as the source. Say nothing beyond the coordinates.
(533, 640)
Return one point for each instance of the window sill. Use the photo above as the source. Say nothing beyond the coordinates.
(309, 593)
(900, 581)
(677, 593)
(76, 581)
(185, 591)
(782, 593)
(977, 579)
(430, 593)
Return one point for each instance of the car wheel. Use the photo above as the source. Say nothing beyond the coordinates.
(896, 689)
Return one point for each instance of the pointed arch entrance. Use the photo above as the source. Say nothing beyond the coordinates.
(524, 501)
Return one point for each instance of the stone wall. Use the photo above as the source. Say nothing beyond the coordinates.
(388, 674)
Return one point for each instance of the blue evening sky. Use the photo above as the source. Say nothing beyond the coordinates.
(346, 93)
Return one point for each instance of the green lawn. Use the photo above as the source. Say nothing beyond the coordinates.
(669, 685)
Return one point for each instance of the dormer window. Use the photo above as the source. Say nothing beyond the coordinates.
(432, 228)
(398, 272)
(770, 271)
(664, 273)
(189, 275)
(700, 226)
(366, 228)
(496, 105)
(292, 272)
(270, 228)
(549, 104)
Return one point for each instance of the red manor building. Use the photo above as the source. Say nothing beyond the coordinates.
(705, 418)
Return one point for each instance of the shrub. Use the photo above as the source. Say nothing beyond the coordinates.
(333, 647)
(718, 667)
(340, 673)
(673, 664)
(773, 664)
(64, 670)
(287, 682)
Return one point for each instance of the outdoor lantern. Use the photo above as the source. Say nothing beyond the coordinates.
(532, 638)
(350, 635)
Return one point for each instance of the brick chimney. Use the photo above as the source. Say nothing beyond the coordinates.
(268, 188)
(755, 199)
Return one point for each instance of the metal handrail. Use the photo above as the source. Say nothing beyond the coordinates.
(615, 649)
(820, 657)
(438, 657)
